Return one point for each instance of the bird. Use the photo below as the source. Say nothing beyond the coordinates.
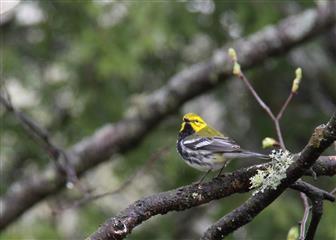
(205, 148)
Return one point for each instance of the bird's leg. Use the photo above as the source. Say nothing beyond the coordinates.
(203, 177)
(225, 164)
(220, 171)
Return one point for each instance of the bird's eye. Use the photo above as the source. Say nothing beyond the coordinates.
(185, 119)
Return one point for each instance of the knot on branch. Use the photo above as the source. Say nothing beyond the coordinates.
(324, 133)
(119, 228)
(317, 136)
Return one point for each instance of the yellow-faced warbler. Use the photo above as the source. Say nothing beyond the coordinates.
(205, 148)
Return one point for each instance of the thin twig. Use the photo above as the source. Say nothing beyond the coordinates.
(285, 105)
(275, 119)
(41, 135)
(141, 171)
(333, 192)
(317, 204)
(305, 215)
(256, 96)
(278, 130)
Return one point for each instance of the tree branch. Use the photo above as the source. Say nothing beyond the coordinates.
(125, 134)
(317, 211)
(141, 171)
(322, 138)
(312, 191)
(316, 196)
(285, 105)
(194, 195)
(56, 153)
(325, 165)
(263, 105)
(187, 197)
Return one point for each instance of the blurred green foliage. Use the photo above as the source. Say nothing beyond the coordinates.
(80, 64)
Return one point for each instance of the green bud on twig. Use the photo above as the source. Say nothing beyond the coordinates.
(236, 66)
(269, 142)
(297, 80)
(236, 69)
(232, 54)
(293, 233)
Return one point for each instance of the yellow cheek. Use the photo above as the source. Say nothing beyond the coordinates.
(197, 126)
(182, 126)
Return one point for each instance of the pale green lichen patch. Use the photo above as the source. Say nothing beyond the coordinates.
(271, 177)
(258, 179)
(194, 195)
(197, 196)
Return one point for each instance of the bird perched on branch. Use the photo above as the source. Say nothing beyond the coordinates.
(205, 148)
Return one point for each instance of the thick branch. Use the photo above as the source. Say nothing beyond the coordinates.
(325, 166)
(187, 84)
(322, 137)
(194, 195)
(184, 198)
(312, 191)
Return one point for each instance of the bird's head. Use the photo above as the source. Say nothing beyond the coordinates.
(195, 122)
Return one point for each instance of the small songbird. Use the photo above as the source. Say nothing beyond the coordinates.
(205, 148)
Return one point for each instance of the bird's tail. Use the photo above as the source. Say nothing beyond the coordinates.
(248, 154)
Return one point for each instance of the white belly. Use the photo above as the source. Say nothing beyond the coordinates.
(205, 168)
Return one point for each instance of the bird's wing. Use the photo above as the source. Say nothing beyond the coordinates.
(209, 132)
(213, 144)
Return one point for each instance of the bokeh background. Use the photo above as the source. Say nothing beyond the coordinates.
(77, 65)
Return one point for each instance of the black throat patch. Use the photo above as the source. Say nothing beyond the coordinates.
(186, 131)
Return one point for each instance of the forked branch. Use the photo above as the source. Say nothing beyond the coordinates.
(43, 139)
(191, 82)
(190, 196)
(276, 119)
(321, 139)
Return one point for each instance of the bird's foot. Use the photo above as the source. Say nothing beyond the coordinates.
(312, 172)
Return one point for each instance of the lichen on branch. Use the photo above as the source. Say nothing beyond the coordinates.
(271, 176)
